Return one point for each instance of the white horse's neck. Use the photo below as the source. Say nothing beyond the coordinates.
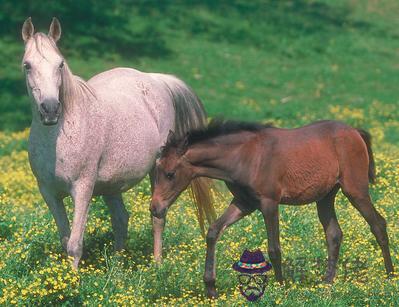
(75, 93)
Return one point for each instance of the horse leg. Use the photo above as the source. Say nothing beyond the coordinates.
(119, 219)
(269, 209)
(333, 233)
(230, 216)
(81, 195)
(158, 225)
(57, 209)
(355, 186)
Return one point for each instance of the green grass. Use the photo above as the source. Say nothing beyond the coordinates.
(289, 62)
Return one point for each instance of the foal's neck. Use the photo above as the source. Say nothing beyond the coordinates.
(215, 159)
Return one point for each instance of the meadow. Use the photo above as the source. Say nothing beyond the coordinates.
(286, 62)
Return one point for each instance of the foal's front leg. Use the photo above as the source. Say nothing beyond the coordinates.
(269, 209)
(158, 225)
(82, 192)
(230, 216)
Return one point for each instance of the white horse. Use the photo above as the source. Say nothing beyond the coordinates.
(99, 137)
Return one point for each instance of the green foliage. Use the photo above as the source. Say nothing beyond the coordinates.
(253, 59)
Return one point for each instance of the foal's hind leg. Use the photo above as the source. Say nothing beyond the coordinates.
(269, 210)
(328, 218)
(357, 192)
(230, 216)
(119, 219)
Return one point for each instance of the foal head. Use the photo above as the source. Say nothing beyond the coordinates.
(44, 68)
(173, 174)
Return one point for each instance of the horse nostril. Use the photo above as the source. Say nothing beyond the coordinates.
(58, 106)
(44, 107)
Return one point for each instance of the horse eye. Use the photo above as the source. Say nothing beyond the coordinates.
(27, 66)
(170, 175)
(61, 65)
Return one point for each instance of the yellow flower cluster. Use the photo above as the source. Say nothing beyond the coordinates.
(35, 270)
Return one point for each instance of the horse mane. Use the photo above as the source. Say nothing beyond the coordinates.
(73, 88)
(216, 128)
(219, 127)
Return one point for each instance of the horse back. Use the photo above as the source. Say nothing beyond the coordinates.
(304, 164)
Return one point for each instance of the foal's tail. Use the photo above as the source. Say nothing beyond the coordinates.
(190, 115)
(367, 139)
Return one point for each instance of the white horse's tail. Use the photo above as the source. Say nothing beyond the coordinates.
(190, 115)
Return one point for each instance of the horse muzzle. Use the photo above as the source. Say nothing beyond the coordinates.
(50, 110)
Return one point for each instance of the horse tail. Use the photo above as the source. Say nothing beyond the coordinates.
(367, 140)
(190, 115)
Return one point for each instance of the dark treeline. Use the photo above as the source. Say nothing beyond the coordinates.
(129, 29)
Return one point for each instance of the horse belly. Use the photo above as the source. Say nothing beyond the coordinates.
(310, 180)
(120, 175)
(129, 157)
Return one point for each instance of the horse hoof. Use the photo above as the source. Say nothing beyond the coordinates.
(158, 260)
(212, 294)
(328, 280)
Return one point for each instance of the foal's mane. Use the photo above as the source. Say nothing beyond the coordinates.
(216, 128)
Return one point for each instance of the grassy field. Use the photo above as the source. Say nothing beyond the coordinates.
(289, 62)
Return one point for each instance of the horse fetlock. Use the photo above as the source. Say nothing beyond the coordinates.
(120, 244)
(209, 279)
(329, 277)
(158, 258)
(210, 285)
(75, 249)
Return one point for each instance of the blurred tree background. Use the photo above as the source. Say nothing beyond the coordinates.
(259, 59)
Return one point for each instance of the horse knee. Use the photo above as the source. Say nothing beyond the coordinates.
(335, 236)
(212, 234)
(274, 253)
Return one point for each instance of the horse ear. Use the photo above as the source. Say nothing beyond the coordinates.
(183, 144)
(55, 29)
(27, 29)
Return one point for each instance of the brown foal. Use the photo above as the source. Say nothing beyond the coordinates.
(264, 166)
